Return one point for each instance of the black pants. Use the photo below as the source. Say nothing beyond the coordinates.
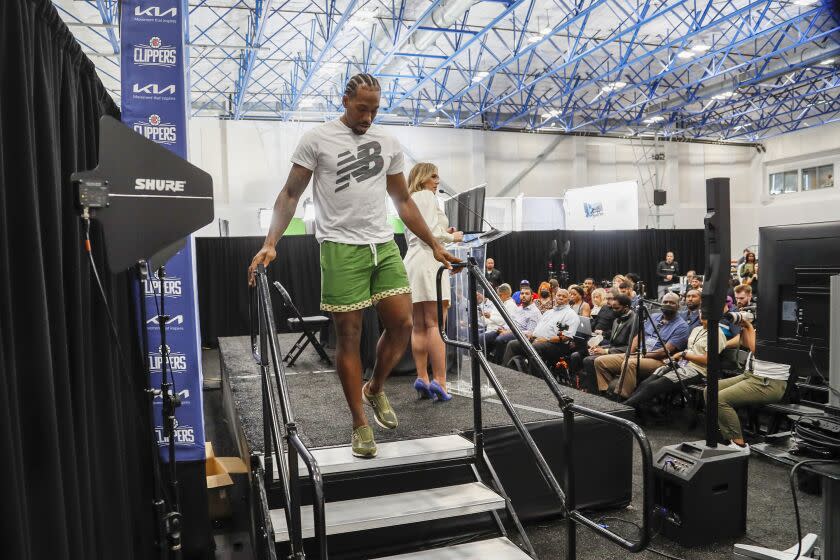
(550, 352)
(658, 384)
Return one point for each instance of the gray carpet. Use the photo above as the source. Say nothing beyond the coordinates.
(770, 520)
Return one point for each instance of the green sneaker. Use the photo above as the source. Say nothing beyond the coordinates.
(362, 442)
(382, 411)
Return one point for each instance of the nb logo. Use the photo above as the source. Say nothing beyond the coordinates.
(365, 164)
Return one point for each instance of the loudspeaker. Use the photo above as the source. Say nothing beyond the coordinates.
(660, 197)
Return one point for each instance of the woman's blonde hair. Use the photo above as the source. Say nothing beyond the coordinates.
(599, 293)
(419, 174)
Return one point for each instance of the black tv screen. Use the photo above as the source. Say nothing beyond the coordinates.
(465, 211)
(795, 264)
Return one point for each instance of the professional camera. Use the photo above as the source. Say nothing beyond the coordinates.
(747, 314)
(606, 284)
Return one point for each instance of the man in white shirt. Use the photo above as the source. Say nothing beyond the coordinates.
(553, 334)
(526, 317)
(495, 322)
(356, 165)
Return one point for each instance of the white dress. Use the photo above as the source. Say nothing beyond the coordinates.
(420, 263)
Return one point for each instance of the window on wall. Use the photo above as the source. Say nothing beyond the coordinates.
(784, 182)
(821, 177)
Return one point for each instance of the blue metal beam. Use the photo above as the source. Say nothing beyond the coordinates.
(108, 19)
(260, 16)
(336, 30)
(402, 38)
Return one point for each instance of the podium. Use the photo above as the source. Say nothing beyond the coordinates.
(458, 361)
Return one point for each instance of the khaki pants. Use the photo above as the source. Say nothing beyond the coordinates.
(609, 367)
(744, 390)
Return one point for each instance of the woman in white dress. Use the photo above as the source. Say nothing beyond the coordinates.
(422, 268)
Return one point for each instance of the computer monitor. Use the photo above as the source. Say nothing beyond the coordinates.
(466, 210)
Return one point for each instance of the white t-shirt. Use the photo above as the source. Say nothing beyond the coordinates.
(349, 184)
(770, 370)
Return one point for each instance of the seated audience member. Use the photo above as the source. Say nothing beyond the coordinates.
(525, 316)
(588, 286)
(696, 283)
(691, 364)
(674, 334)
(602, 320)
(484, 308)
(599, 298)
(691, 313)
(618, 337)
(522, 284)
(762, 383)
(552, 337)
(545, 301)
(493, 274)
(743, 296)
(618, 279)
(576, 302)
(747, 269)
(626, 288)
(494, 319)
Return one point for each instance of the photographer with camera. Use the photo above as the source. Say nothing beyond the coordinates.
(552, 337)
(691, 363)
(762, 383)
(672, 337)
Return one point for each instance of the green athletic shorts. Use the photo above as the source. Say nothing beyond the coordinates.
(357, 276)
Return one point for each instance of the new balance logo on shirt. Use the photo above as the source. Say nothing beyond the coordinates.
(365, 164)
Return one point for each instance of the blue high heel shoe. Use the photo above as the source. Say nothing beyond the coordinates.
(422, 389)
(438, 393)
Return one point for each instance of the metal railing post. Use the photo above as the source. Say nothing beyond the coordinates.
(571, 527)
(475, 373)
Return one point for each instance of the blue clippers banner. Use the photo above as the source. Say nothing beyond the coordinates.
(154, 104)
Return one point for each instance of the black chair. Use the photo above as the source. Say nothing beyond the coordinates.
(307, 326)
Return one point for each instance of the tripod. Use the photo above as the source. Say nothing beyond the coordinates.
(638, 329)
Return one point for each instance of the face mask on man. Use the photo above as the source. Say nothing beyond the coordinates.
(669, 311)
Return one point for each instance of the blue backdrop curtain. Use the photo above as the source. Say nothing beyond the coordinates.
(75, 465)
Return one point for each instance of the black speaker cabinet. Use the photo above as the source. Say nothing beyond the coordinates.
(700, 493)
(660, 197)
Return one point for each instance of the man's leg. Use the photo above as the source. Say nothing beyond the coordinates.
(348, 326)
(608, 368)
(634, 373)
(512, 348)
(395, 314)
(501, 345)
(551, 352)
(489, 343)
(750, 390)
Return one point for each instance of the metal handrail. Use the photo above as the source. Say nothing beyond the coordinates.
(566, 404)
(278, 419)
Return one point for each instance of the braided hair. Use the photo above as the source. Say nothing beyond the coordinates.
(360, 80)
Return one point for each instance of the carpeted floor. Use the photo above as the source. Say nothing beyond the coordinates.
(770, 513)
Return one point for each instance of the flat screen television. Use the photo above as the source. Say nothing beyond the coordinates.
(795, 265)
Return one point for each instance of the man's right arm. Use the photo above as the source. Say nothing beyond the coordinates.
(284, 211)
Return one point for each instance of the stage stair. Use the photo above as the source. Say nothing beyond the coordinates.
(426, 500)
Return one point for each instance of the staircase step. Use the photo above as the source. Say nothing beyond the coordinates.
(493, 549)
(332, 460)
(394, 509)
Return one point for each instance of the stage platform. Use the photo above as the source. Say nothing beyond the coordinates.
(603, 453)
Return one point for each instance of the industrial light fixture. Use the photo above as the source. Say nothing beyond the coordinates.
(828, 61)
(535, 38)
(701, 48)
(308, 102)
(723, 95)
(545, 30)
(686, 54)
(480, 76)
(613, 86)
(362, 18)
(654, 119)
(550, 114)
(805, 2)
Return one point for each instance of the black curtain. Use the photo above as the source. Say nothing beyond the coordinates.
(599, 254)
(75, 462)
(222, 267)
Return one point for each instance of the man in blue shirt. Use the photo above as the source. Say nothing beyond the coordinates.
(691, 313)
(525, 316)
(553, 334)
(674, 332)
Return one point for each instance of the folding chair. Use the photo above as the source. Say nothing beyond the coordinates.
(307, 326)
